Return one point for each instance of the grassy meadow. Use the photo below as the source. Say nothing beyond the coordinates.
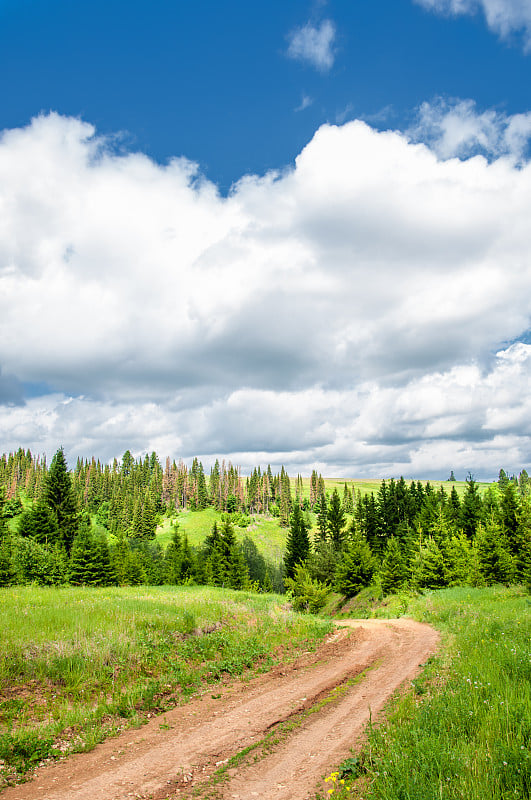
(80, 664)
(265, 531)
(463, 732)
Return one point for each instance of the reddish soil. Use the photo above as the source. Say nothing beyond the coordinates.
(174, 755)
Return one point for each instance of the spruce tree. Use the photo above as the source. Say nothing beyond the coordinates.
(59, 496)
(393, 571)
(495, 562)
(7, 569)
(357, 567)
(509, 511)
(429, 570)
(323, 561)
(470, 508)
(457, 560)
(522, 557)
(148, 525)
(39, 523)
(322, 517)
(83, 557)
(297, 542)
(173, 557)
(336, 520)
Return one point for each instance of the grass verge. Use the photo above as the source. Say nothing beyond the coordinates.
(79, 664)
(464, 730)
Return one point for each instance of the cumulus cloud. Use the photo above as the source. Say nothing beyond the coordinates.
(504, 17)
(457, 128)
(343, 313)
(314, 44)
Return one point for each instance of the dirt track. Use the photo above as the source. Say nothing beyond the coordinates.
(178, 752)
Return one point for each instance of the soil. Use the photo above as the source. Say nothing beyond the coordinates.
(176, 754)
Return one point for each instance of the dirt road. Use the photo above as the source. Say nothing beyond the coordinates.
(175, 755)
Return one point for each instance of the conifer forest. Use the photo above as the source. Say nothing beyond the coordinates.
(97, 525)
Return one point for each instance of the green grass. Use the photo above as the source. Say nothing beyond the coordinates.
(80, 664)
(266, 532)
(464, 730)
(368, 486)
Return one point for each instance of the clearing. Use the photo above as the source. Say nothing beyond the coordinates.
(271, 738)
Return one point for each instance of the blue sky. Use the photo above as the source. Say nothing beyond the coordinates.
(294, 233)
(212, 81)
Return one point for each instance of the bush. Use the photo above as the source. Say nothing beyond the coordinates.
(307, 594)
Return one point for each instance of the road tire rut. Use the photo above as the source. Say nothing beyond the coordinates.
(178, 752)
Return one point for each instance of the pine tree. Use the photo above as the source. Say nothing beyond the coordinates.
(509, 512)
(454, 505)
(457, 560)
(40, 523)
(522, 543)
(323, 561)
(173, 558)
(59, 496)
(429, 570)
(495, 563)
(348, 507)
(322, 518)
(120, 560)
(297, 542)
(148, 525)
(7, 569)
(82, 557)
(336, 521)
(357, 567)
(393, 571)
(470, 508)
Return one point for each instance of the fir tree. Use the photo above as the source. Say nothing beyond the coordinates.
(495, 563)
(393, 571)
(297, 542)
(509, 512)
(323, 561)
(173, 558)
(470, 508)
(40, 523)
(336, 521)
(457, 560)
(148, 524)
(357, 567)
(348, 507)
(322, 518)
(7, 569)
(429, 570)
(59, 496)
(454, 506)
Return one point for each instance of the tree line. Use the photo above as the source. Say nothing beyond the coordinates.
(402, 535)
(412, 537)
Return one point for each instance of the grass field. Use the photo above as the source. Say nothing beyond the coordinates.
(80, 664)
(368, 486)
(464, 731)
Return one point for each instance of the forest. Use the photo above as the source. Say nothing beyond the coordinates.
(96, 525)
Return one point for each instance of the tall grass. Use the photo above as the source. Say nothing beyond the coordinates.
(464, 731)
(78, 664)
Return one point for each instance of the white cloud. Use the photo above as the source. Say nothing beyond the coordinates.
(343, 312)
(305, 103)
(456, 128)
(314, 44)
(504, 17)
